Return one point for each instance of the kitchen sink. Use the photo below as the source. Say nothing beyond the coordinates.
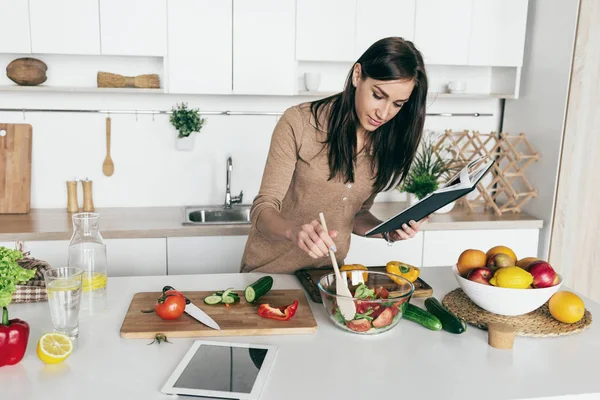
(207, 215)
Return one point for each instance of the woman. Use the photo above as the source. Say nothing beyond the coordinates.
(333, 156)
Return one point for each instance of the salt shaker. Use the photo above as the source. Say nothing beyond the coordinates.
(72, 202)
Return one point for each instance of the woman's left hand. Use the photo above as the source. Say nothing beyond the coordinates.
(408, 231)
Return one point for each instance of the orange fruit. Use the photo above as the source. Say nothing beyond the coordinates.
(524, 262)
(501, 249)
(470, 259)
(566, 307)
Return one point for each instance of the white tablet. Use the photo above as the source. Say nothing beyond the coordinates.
(221, 369)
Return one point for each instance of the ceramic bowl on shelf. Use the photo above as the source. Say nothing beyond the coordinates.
(505, 301)
(377, 314)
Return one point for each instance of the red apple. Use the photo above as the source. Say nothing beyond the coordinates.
(543, 274)
(481, 275)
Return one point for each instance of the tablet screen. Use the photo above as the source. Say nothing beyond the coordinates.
(222, 368)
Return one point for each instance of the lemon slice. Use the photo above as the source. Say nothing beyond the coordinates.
(94, 282)
(54, 348)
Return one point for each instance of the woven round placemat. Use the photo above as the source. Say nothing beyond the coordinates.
(538, 323)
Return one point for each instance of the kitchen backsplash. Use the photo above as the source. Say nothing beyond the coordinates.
(149, 171)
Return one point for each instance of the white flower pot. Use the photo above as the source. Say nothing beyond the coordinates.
(412, 199)
(185, 143)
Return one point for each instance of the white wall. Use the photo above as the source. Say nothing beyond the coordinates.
(540, 110)
(148, 169)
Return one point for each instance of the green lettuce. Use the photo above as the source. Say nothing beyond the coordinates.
(11, 274)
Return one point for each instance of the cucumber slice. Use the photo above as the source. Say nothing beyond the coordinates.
(227, 292)
(213, 299)
(228, 300)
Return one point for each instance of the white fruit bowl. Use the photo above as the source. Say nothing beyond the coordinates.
(505, 301)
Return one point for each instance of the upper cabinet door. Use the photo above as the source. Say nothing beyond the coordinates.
(442, 31)
(498, 32)
(199, 46)
(325, 30)
(14, 29)
(263, 47)
(377, 19)
(133, 27)
(64, 26)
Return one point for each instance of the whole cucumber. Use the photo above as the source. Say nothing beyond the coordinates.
(450, 322)
(422, 317)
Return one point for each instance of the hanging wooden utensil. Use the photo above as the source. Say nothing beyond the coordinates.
(108, 168)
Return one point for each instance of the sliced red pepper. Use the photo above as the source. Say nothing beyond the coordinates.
(282, 313)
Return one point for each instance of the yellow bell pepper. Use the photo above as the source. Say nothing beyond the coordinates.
(407, 271)
(349, 267)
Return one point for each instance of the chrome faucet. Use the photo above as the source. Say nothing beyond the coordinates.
(229, 201)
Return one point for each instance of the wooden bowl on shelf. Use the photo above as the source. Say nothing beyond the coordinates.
(27, 71)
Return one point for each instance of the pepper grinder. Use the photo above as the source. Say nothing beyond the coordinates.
(72, 203)
(88, 202)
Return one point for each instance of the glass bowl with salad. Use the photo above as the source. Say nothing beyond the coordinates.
(378, 298)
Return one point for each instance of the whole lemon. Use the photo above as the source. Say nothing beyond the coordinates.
(566, 307)
(512, 277)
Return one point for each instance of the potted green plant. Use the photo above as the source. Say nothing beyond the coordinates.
(11, 274)
(187, 121)
(428, 170)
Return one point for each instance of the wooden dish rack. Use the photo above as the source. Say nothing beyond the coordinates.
(509, 189)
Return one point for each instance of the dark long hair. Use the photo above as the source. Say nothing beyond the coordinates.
(393, 144)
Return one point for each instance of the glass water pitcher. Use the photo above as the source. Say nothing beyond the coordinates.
(88, 252)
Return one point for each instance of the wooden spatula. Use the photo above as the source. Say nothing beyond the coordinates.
(346, 304)
(108, 167)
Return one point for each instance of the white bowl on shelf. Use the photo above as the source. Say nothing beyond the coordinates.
(505, 301)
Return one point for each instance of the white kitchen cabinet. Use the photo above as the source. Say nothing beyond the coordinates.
(498, 32)
(9, 245)
(200, 46)
(133, 27)
(325, 30)
(263, 47)
(376, 252)
(54, 252)
(205, 254)
(65, 26)
(442, 30)
(377, 19)
(136, 257)
(125, 257)
(442, 248)
(14, 29)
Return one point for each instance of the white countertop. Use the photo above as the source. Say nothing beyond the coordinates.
(406, 362)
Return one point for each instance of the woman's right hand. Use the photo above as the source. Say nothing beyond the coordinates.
(313, 239)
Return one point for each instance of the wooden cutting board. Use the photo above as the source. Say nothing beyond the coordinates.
(239, 319)
(15, 168)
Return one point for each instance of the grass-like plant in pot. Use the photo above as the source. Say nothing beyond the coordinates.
(186, 120)
(428, 170)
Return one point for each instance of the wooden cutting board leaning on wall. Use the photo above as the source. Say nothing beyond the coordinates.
(15, 168)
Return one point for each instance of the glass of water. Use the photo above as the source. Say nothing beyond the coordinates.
(63, 286)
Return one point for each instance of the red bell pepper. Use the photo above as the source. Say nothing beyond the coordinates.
(14, 334)
(282, 313)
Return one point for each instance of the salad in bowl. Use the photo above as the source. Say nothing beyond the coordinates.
(378, 298)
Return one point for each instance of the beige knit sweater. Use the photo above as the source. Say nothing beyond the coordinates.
(295, 182)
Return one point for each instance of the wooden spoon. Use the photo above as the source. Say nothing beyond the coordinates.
(108, 167)
(346, 304)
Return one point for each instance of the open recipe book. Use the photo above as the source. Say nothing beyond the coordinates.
(460, 185)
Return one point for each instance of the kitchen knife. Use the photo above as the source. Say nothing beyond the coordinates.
(195, 312)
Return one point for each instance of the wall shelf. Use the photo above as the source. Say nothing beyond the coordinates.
(42, 88)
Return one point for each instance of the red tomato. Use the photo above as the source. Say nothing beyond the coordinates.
(170, 305)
